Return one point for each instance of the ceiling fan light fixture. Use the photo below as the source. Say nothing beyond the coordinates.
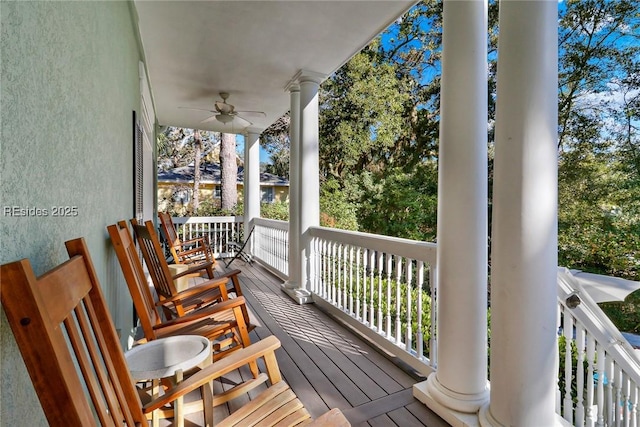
(224, 118)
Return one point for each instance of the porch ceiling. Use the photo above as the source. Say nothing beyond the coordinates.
(251, 49)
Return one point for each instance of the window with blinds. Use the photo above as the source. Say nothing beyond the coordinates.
(138, 175)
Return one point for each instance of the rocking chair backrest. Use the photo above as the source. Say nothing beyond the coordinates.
(168, 229)
(60, 321)
(153, 256)
(135, 278)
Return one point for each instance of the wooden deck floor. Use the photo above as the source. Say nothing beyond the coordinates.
(327, 365)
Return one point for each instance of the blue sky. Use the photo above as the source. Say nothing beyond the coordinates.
(264, 156)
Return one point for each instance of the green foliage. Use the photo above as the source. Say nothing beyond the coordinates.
(562, 352)
(369, 295)
(362, 108)
(276, 210)
(401, 204)
(335, 210)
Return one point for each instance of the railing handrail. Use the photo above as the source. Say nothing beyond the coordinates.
(596, 323)
(273, 223)
(206, 219)
(421, 251)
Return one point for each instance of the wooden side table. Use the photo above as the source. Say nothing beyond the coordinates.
(168, 358)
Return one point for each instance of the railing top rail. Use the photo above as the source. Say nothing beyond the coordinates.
(413, 249)
(598, 324)
(206, 219)
(272, 223)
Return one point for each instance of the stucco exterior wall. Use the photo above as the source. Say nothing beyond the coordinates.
(69, 84)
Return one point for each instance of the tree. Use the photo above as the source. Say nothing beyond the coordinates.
(228, 173)
(197, 144)
(362, 108)
(275, 140)
(179, 147)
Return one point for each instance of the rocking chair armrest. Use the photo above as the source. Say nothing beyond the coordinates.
(194, 269)
(195, 290)
(231, 273)
(190, 252)
(192, 241)
(265, 347)
(204, 312)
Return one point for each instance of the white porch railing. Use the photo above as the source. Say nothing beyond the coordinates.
(599, 385)
(383, 286)
(219, 230)
(270, 245)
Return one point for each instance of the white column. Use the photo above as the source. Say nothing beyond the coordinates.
(251, 179)
(308, 177)
(460, 383)
(294, 189)
(524, 251)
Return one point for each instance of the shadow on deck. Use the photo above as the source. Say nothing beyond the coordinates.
(327, 365)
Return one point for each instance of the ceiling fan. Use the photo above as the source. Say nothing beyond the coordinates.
(226, 113)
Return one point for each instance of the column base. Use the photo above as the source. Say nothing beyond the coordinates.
(460, 410)
(299, 295)
(487, 419)
(289, 284)
(454, 418)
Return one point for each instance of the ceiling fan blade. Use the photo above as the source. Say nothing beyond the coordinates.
(209, 119)
(242, 121)
(197, 109)
(253, 113)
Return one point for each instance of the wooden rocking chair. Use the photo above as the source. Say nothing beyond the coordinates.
(185, 252)
(163, 280)
(71, 350)
(224, 322)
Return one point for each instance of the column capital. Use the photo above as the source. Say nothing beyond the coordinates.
(292, 86)
(304, 76)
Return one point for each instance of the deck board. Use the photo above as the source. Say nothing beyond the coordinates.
(326, 364)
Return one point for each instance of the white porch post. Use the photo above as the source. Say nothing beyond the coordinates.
(460, 383)
(524, 251)
(308, 191)
(251, 179)
(294, 189)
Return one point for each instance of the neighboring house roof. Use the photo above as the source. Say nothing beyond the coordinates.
(210, 174)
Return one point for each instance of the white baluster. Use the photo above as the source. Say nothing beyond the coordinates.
(358, 285)
(372, 284)
(568, 368)
(419, 285)
(610, 405)
(626, 400)
(634, 405)
(409, 280)
(558, 392)
(379, 265)
(345, 278)
(388, 301)
(351, 280)
(398, 300)
(433, 354)
(600, 364)
(332, 272)
(618, 401)
(580, 376)
(591, 414)
(365, 264)
(323, 272)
